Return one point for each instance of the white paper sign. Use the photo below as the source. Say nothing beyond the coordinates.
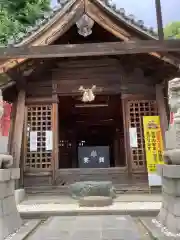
(49, 140)
(133, 137)
(154, 179)
(33, 141)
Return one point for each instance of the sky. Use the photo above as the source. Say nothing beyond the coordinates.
(145, 10)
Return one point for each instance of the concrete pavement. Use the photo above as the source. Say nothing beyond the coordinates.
(83, 228)
(60, 217)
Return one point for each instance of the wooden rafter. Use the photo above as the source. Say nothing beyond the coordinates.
(93, 49)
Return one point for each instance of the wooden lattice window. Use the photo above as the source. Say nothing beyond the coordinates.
(136, 110)
(38, 120)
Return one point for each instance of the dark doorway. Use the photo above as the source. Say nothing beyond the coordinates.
(93, 128)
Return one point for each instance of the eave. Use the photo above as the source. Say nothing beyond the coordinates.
(112, 19)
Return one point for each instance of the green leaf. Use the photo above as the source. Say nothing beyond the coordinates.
(17, 15)
(172, 30)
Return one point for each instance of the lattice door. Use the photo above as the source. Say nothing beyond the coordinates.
(136, 110)
(38, 119)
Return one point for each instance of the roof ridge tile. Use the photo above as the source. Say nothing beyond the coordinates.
(122, 13)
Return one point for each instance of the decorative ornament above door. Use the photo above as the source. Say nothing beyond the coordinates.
(84, 25)
(88, 93)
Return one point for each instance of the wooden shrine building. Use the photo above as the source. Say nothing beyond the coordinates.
(53, 128)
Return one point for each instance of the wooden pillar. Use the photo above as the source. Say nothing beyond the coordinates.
(18, 128)
(116, 148)
(55, 130)
(74, 151)
(11, 130)
(126, 134)
(161, 109)
(24, 149)
(18, 131)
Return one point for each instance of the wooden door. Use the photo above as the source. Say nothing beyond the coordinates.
(38, 163)
(136, 109)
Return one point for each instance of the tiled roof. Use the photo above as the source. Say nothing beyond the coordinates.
(119, 13)
(129, 19)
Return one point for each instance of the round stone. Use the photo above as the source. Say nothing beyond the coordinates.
(92, 188)
(95, 201)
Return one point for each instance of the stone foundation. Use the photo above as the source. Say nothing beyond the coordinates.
(95, 201)
(169, 214)
(19, 195)
(10, 219)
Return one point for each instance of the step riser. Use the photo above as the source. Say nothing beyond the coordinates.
(133, 213)
(66, 191)
(64, 177)
(122, 181)
(115, 175)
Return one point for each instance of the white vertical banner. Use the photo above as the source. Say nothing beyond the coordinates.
(33, 141)
(49, 140)
(133, 137)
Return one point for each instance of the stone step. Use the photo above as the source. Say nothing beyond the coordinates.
(135, 209)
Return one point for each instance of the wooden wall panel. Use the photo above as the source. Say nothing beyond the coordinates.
(39, 88)
(37, 179)
(107, 74)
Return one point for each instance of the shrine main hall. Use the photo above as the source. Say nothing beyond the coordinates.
(80, 117)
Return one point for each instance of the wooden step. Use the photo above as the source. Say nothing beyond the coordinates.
(45, 190)
(64, 177)
(120, 189)
(69, 176)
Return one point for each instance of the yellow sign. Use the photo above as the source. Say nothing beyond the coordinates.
(153, 142)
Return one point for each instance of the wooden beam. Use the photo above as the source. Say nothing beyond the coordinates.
(18, 128)
(108, 89)
(92, 49)
(159, 19)
(7, 85)
(38, 100)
